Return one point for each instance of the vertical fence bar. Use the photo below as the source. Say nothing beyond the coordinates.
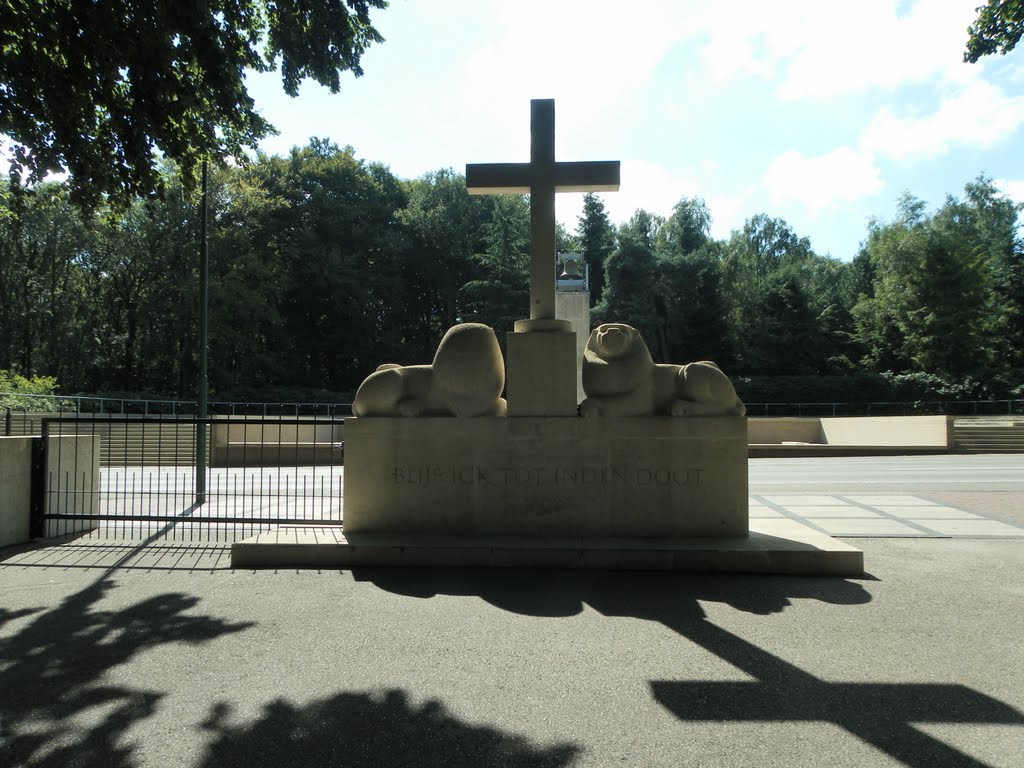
(204, 324)
(7, 422)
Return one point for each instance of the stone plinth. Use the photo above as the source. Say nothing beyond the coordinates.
(541, 373)
(616, 477)
(574, 306)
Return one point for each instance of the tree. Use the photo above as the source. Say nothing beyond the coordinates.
(998, 28)
(597, 241)
(94, 87)
(687, 229)
(632, 277)
(501, 294)
(689, 289)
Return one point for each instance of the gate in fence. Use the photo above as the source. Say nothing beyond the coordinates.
(135, 476)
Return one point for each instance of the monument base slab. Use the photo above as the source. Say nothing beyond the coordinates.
(547, 477)
(772, 547)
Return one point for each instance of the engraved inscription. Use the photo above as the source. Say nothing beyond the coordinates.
(427, 475)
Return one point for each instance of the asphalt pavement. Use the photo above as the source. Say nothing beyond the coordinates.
(158, 654)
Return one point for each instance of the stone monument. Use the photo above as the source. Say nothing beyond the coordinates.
(542, 350)
(649, 471)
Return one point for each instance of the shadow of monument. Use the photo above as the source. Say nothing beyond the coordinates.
(880, 714)
(360, 730)
(52, 671)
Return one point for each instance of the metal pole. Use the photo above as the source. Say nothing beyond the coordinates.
(204, 295)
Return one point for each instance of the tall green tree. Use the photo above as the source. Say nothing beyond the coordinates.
(443, 227)
(45, 305)
(630, 293)
(95, 88)
(500, 295)
(689, 299)
(772, 324)
(936, 305)
(596, 240)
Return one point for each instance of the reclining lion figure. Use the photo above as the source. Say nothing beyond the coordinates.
(621, 379)
(465, 379)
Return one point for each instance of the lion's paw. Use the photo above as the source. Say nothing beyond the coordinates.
(409, 407)
(681, 408)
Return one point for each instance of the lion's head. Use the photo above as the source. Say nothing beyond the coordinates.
(612, 341)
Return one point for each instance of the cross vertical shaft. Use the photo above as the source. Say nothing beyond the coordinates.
(542, 209)
(542, 177)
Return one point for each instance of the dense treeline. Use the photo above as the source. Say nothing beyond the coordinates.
(324, 265)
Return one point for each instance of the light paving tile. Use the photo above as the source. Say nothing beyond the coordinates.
(764, 512)
(874, 501)
(844, 512)
(806, 501)
(928, 513)
(973, 528)
(869, 527)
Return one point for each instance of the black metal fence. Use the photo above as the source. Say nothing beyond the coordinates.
(127, 477)
(916, 408)
(26, 405)
(81, 404)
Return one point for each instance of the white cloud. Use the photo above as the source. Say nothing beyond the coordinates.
(842, 175)
(1013, 188)
(980, 116)
(588, 55)
(821, 49)
(644, 185)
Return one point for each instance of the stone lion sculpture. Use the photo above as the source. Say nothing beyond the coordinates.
(465, 379)
(621, 379)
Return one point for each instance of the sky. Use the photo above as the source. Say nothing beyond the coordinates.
(821, 113)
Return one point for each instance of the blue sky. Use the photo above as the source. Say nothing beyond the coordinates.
(821, 113)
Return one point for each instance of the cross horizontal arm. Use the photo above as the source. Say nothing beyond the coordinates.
(594, 176)
(517, 178)
(498, 178)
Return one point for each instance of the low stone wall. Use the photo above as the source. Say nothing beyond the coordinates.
(248, 441)
(15, 489)
(850, 435)
(71, 486)
(931, 431)
(784, 429)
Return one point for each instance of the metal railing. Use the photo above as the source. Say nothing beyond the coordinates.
(262, 473)
(80, 404)
(891, 408)
(120, 406)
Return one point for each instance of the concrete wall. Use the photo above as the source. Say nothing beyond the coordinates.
(889, 430)
(15, 489)
(880, 431)
(784, 430)
(72, 485)
(239, 429)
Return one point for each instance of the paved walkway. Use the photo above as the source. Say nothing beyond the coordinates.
(894, 514)
(121, 655)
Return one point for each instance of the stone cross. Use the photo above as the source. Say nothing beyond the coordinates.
(542, 177)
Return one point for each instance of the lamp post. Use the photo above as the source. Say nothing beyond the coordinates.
(204, 295)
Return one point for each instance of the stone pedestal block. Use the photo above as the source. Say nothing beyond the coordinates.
(540, 375)
(541, 477)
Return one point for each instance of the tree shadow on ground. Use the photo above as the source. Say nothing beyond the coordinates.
(879, 714)
(56, 708)
(364, 730)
